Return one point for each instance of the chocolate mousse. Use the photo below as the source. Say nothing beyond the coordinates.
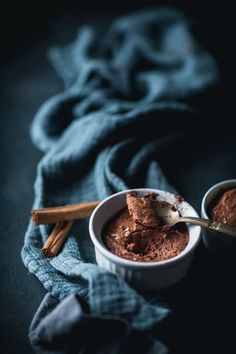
(224, 207)
(138, 233)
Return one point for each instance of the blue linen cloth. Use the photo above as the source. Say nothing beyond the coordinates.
(121, 108)
(67, 327)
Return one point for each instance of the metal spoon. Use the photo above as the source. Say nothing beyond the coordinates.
(170, 216)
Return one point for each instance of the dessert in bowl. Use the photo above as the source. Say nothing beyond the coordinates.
(138, 233)
(130, 240)
(219, 204)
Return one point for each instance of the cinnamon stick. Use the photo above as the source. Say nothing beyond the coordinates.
(56, 239)
(63, 213)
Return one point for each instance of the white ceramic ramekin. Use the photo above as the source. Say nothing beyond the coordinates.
(143, 275)
(213, 240)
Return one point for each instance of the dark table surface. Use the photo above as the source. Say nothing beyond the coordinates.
(202, 304)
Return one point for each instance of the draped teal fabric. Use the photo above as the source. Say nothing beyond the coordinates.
(123, 104)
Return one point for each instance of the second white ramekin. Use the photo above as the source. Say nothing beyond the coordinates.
(214, 240)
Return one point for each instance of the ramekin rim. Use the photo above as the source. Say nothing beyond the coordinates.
(137, 264)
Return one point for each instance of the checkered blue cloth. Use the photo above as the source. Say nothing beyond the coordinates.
(121, 108)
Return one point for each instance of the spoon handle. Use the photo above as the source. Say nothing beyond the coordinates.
(210, 224)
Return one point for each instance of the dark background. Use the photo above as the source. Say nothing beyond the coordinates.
(203, 303)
